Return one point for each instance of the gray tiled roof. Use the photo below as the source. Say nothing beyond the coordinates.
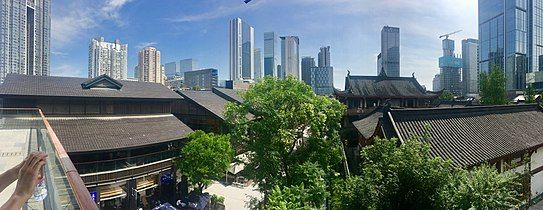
(384, 87)
(86, 134)
(208, 100)
(26, 85)
(367, 125)
(229, 94)
(472, 135)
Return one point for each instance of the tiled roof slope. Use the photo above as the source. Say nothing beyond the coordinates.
(27, 85)
(208, 100)
(384, 87)
(229, 94)
(87, 134)
(472, 135)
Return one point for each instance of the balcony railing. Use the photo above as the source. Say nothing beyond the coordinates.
(26, 130)
(122, 163)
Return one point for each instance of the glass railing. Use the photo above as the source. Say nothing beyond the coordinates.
(23, 131)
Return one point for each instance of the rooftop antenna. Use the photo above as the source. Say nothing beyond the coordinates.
(447, 35)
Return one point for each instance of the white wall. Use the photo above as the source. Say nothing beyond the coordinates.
(537, 179)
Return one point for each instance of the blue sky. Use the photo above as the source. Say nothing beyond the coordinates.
(199, 29)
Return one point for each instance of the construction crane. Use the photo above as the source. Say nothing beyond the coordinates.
(447, 35)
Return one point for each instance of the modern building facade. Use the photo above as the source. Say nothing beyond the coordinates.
(450, 66)
(203, 79)
(322, 80)
(290, 56)
(108, 58)
(188, 64)
(241, 50)
(390, 51)
(324, 56)
(25, 34)
(307, 64)
(149, 67)
(270, 54)
(258, 64)
(510, 38)
(171, 69)
(436, 82)
(470, 71)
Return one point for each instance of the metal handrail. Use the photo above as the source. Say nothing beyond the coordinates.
(81, 192)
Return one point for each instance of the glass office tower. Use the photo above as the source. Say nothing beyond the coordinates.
(270, 52)
(510, 38)
(241, 50)
(390, 50)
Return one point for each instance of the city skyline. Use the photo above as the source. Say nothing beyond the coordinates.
(200, 30)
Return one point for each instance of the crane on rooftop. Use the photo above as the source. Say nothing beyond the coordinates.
(447, 35)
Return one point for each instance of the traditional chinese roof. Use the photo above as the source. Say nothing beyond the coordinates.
(229, 94)
(99, 87)
(384, 87)
(470, 135)
(207, 100)
(99, 133)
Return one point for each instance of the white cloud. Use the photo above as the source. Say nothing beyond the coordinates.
(68, 70)
(77, 17)
(142, 45)
(220, 11)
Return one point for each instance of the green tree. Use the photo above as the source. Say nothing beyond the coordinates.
(407, 177)
(205, 158)
(287, 198)
(482, 188)
(446, 95)
(492, 87)
(529, 94)
(290, 126)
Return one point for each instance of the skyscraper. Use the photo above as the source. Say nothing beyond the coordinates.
(322, 80)
(390, 51)
(25, 33)
(290, 57)
(108, 58)
(241, 50)
(270, 52)
(324, 56)
(509, 37)
(188, 64)
(436, 83)
(258, 64)
(149, 67)
(469, 66)
(379, 64)
(450, 68)
(307, 64)
(172, 69)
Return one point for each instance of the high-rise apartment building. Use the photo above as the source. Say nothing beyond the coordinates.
(149, 67)
(188, 64)
(450, 68)
(270, 54)
(290, 57)
(241, 50)
(172, 69)
(390, 51)
(324, 56)
(258, 64)
(25, 33)
(108, 58)
(204, 78)
(469, 66)
(510, 38)
(307, 64)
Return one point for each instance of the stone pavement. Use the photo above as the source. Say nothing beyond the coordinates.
(234, 197)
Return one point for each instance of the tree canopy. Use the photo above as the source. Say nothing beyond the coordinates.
(205, 158)
(292, 127)
(407, 177)
(529, 94)
(492, 87)
(446, 95)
